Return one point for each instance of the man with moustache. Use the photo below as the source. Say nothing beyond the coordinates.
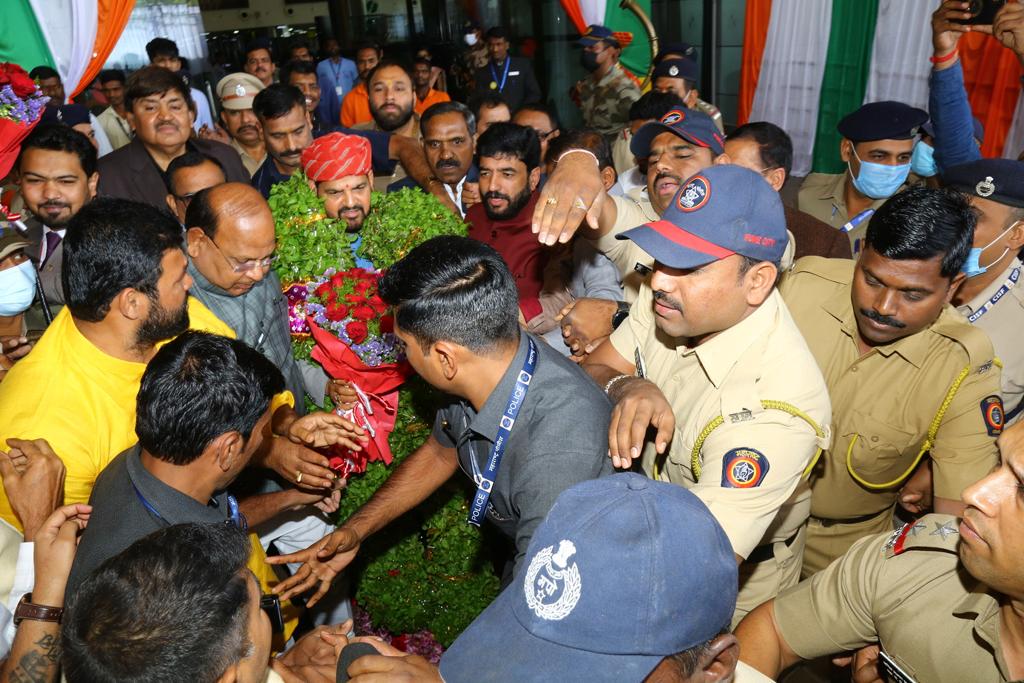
(940, 599)
(287, 130)
(448, 131)
(509, 160)
(909, 377)
(160, 110)
(392, 104)
(679, 145)
(186, 177)
(338, 168)
(236, 92)
(57, 167)
(712, 362)
(302, 75)
(259, 61)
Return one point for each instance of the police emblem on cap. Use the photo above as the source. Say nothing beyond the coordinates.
(552, 586)
(673, 71)
(674, 116)
(986, 187)
(240, 90)
(694, 195)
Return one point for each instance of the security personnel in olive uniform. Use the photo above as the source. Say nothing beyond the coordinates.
(907, 375)
(711, 358)
(942, 599)
(992, 297)
(606, 95)
(878, 140)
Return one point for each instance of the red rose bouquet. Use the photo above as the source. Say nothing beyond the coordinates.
(356, 342)
(21, 105)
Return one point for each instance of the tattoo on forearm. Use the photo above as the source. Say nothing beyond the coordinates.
(38, 665)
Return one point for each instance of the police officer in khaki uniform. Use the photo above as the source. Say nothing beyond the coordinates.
(606, 95)
(685, 51)
(992, 296)
(878, 140)
(236, 92)
(907, 375)
(680, 76)
(941, 599)
(711, 359)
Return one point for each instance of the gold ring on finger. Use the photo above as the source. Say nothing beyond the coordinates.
(298, 477)
(579, 204)
(551, 201)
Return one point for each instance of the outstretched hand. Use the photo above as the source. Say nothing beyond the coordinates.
(321, 563)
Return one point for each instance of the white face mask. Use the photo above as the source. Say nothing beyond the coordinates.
(470, 39)
(17, 288)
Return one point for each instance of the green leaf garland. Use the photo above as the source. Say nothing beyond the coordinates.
(398, 221)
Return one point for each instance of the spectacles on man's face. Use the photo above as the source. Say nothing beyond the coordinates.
(244, 266)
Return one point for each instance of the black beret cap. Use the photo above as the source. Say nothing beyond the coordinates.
(886, 120)
(677, 68)
(1001, 180)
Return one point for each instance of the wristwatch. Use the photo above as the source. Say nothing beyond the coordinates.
(620, 314)
(26, 609)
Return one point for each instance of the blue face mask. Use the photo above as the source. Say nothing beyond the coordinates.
(922, 161)
(878, 181)
(972, 266)
(17, 288)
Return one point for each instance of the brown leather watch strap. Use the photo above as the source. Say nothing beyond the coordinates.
(28, 610)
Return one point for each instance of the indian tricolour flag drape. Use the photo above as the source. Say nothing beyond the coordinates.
(637, 55)
(807, 63)
(72, 36)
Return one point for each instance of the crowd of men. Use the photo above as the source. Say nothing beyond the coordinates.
(729, 438)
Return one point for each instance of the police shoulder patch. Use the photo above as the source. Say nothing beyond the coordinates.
(744, 468)
(992, 414)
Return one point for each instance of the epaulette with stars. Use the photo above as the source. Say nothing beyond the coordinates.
(931, 532)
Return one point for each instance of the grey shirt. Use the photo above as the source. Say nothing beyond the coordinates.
(560, 438)
(120, 517)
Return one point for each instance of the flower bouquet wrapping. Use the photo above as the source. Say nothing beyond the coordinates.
(356, 342)
(21, 105)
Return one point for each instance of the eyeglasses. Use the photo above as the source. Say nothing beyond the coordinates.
(244, 266)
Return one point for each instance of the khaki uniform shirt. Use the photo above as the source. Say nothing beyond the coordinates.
(713, 112)
(752, 465)
(606, 104)
(632, 210)
(251, 164)
(1004, 322)
(884, 402)
(908, 592)
(821, 195)
(119, 133)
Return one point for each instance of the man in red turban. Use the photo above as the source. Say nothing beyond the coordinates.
(339, 168)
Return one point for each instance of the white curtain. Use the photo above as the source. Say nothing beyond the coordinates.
(1014, 144)
(593, 11)
(899, 56)
(181, 22)
(789, 87)
(69, 28)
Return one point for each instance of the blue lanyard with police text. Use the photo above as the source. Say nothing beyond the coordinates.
(1000, 293)
(504, 76)
(485, 480)
(236, 517)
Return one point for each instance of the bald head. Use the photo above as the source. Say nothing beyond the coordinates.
(231, 236)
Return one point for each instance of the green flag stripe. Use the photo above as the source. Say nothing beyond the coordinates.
(847, 66)
(21, 41)
(636, 57)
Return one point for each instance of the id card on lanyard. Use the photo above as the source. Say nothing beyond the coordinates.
(484, 480)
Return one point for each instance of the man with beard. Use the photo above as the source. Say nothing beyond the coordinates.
(160, 110)
(126, 289)
(607, 94)
(58, 174)
(908, 375)
(392, 104)
(337, 78)
(236, 92)
(509, 160)
(448, 131)
(355, 108)
(338, 167)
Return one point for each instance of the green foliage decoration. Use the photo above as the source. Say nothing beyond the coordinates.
(398, 221)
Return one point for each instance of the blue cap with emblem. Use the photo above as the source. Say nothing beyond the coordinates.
(677, 68)
(623, 572)
(999, 180)
(886, 120)
(596, 33)
(689, 124)
(721, 211)
(684, 50)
